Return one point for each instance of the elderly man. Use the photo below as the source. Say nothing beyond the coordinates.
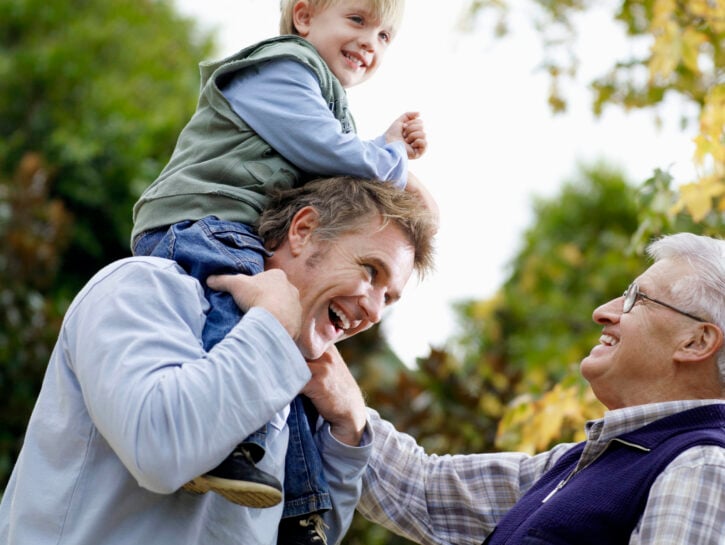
(651, 471)
(132, 406)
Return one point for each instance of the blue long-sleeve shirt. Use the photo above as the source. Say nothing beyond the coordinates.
(269, 117)
(132, 407)
(281, 101)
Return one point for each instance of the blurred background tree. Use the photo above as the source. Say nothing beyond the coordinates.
(88, 117)
(509, 380)
(677, 53)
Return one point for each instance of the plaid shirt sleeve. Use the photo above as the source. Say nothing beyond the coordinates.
(433, 499)
(686, 503)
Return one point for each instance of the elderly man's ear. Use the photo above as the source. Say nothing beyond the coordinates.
(303, 225)
(706, 339)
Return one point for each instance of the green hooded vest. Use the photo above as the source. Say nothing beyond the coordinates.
(220, 166)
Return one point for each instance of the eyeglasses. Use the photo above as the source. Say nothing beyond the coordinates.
(632, 293)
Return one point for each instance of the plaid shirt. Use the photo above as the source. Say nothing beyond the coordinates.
(458, 499)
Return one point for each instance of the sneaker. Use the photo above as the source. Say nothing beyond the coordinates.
(239, 480)
(304, 530)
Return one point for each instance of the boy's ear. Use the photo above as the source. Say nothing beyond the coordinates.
(301, 17)
(301, 228)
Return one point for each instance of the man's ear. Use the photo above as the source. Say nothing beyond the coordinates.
(705, 341)
(301, 228)
(302, 17)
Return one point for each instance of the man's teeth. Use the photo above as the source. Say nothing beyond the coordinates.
(608, 340)
(344, 322)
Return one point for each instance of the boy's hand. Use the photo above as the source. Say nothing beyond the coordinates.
(408, 128)
(414, 135)
(270, 290)
(337, 397)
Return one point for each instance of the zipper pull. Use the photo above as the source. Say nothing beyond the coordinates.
(550, 494)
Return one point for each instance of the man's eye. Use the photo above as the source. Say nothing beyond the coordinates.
(372, 271)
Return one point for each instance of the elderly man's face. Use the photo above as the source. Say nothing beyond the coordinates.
(346, 283)
(633, 362)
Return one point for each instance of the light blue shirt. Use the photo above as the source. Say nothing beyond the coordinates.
(131, 408)
(281, 101)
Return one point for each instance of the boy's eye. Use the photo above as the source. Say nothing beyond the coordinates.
(385, 36)
(357, 19)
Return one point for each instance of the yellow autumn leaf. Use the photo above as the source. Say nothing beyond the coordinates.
(697, 197)
(712, 118)
(712, 13)
(666, 51)
(533, 425)
(692, 40)
(544, 428)
(663, 10)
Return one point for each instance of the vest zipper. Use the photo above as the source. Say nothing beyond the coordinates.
(575, 471)
(558, 487)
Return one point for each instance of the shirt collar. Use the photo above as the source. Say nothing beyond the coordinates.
(621, 421)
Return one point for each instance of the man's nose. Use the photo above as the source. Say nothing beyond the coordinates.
(609, 312)
(373, 304)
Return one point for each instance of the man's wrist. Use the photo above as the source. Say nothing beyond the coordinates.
(350, 432)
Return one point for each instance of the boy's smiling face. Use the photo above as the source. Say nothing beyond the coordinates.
(350, 38)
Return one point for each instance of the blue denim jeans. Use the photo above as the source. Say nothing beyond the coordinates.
(212, 246)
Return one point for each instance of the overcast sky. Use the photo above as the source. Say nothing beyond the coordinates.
(493, 143)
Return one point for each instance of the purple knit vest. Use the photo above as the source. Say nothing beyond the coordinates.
(602, 504)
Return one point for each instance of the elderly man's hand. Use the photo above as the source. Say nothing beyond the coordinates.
(269, 290)
(337, 397)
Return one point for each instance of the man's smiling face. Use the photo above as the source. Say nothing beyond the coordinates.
(631, 365)
(346, 283)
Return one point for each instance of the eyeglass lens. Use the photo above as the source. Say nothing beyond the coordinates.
(630, 297)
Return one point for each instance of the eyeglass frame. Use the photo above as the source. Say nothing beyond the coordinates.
(630, 301)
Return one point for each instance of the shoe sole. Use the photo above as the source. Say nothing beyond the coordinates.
(245, 493)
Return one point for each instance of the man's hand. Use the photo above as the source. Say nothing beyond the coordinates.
(337, 397)
(269, 290)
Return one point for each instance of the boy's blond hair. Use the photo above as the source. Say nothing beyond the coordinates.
(389, 11)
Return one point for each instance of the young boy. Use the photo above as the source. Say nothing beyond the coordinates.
(273, 115)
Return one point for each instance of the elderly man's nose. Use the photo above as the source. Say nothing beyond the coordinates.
(609, 312)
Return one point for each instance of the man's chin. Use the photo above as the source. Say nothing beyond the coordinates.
(314, 350)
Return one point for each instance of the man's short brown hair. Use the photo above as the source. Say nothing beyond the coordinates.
(346, 204)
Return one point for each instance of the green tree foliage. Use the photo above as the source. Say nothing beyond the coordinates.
(93, 94)
(99, 89)
(33, 234)
(677, 49)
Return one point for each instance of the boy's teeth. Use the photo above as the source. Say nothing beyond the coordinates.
(353, 59)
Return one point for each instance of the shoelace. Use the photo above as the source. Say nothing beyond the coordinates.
(241, 451)
(318, 527)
